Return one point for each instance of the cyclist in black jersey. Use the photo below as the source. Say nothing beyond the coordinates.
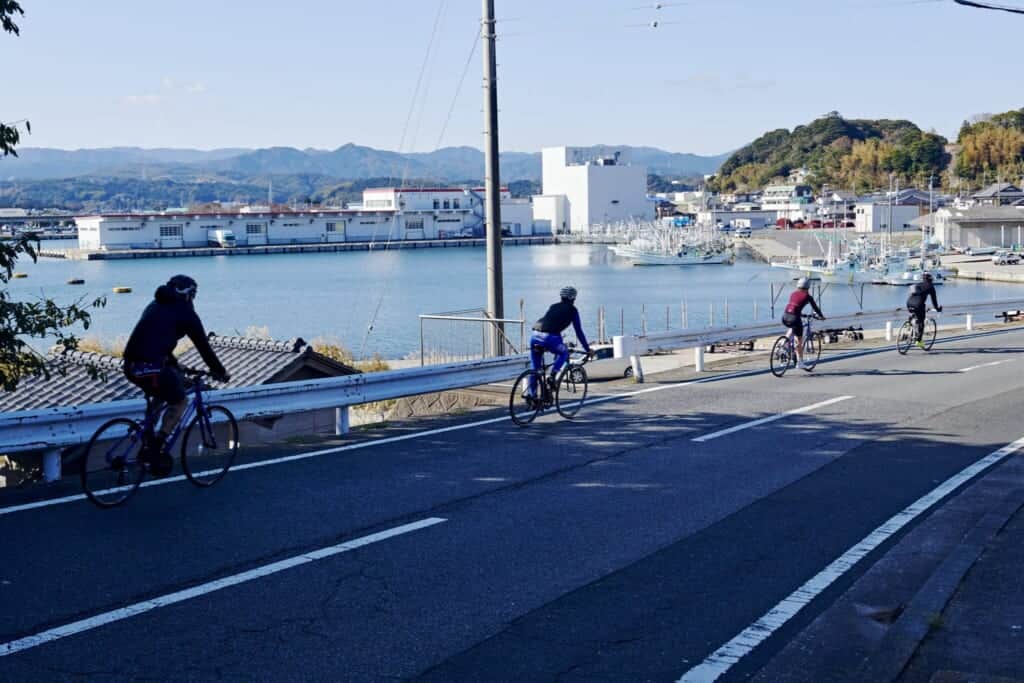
(149, 360)
(917, 302)
(547, 334)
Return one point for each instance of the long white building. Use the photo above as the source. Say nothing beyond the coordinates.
(386, 214)
(582, 188)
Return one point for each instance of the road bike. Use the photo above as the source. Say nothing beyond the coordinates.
(532, 392)
(910, 330)
(784, 350)
(113, 465)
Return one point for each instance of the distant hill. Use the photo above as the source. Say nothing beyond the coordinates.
(856, 154)
(348, 162)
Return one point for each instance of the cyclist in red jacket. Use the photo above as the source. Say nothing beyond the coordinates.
(798, 300)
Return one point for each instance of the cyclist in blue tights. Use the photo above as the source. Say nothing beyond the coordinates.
(547, 335)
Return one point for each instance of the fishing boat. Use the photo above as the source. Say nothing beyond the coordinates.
(659, 246)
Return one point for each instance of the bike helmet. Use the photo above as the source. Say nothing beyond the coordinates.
(568, 293)
(183, 286)
(803, 283)
(926, 276)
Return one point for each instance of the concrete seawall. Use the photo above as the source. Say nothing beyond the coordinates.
(317, 248)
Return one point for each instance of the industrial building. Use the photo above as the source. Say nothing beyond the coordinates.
(385, 214)
(980, 226)
(584, 187)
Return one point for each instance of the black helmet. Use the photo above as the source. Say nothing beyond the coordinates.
(183, 286)
(568, 293)
(927, 276)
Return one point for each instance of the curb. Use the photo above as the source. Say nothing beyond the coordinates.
(898, 646)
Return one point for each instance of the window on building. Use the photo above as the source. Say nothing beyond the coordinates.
(171, 231)
(255, 228)
(455, 203)
(447, 204)
(332, 227)
(437, 203)
(414, 224)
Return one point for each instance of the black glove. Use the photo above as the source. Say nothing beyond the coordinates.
(939, 309)
(223, 377)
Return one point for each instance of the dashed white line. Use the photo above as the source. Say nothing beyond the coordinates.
(91, 623)
(723, 659)
(984, 365)
(773, 418)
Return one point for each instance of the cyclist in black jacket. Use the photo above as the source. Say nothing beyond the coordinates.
(917, 302)
(547, 334)
(149, 360)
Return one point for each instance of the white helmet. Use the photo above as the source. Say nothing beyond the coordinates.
(803, 283)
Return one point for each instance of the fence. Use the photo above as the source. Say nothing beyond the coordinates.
(466, 335)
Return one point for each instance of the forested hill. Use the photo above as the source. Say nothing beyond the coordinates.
(857, 154)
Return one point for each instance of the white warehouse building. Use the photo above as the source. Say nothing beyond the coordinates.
(386, 214)
(583, 187)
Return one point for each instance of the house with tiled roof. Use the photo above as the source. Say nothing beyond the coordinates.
(78, 378)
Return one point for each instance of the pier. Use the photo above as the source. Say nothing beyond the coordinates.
(317, 248)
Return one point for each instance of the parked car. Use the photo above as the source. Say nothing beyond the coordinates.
(743, 232)
(1004, 257)
(605, 365)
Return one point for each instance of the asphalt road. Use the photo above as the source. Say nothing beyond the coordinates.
(615, 547)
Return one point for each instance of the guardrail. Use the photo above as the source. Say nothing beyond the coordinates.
(52, 429)
(633, 346)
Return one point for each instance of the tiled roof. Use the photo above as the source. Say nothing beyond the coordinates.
(249, 361)
(70, 383)
(996, 190)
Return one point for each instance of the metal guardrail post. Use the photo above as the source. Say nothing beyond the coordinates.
(638, 369)
(51, 465)
(698, 358)
(341, 426)
(888, 330)
(970, 322)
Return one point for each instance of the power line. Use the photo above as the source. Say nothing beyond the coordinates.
(991, 6)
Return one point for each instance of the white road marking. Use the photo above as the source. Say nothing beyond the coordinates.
(82, 625)
(722, 659)
(773, 418)
(480, 423)
(985, 365)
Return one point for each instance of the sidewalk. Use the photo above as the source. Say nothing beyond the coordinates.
(944, 604)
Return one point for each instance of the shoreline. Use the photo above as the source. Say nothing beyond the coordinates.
(75, 254)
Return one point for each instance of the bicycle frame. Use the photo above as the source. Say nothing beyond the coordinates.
(808, 332)
(194, 406)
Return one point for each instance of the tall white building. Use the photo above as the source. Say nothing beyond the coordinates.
(583, 187)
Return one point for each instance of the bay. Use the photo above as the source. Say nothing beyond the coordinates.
(338, 296)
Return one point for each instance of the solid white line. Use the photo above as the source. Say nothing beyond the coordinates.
(471, 425)
(984, 365)
(773, 418)
(180, 596)
(722, 659)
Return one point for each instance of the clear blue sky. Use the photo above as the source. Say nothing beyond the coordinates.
(320, 73)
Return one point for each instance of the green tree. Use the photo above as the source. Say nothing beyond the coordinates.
(40, 319)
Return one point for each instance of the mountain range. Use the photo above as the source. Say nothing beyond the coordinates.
(348, 162)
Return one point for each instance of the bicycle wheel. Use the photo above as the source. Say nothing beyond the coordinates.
(782, 356)
(209, 446)
(571, 391)
(905, 338)
(931, 329)
(522, 407)
(812, 350)
(111, 468)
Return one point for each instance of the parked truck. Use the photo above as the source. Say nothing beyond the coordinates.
(221, 238)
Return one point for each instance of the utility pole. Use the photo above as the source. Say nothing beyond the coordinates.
(492, 180)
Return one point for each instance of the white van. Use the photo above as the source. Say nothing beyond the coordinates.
(221, 238)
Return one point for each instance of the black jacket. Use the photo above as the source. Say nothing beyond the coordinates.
(162, 325)
(919, 293)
